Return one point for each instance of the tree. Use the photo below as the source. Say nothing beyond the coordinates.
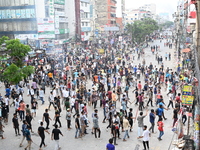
(17, 69)
(18, 51)
(165, 25)
(141, 28)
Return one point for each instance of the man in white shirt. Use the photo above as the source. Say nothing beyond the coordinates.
(65, 94)
(145, 136)
(51, 100)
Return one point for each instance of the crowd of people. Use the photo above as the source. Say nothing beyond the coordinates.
(104, 82)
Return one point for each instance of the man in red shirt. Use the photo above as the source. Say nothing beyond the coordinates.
(160, 128)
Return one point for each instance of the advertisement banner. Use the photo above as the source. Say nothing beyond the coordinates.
(45, 27)
(187, 97)
(46, 35)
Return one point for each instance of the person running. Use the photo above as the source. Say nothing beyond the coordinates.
(46, 118)
(41, 131)
(55, 136)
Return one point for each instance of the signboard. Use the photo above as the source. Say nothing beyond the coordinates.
(51, 8)
(25, 36)
(46, 35)
(60, 2)
(45, 27)
(187, 97)
(56, 22)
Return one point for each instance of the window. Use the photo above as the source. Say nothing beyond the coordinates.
(135, 18)
(86, 24)
(82, 23)
(85, 15)
(86, 33)
(131, 18)
(126, 18)
(85, 4)
(82, 3)
(135, 14)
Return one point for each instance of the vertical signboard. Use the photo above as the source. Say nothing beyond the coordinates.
(51, 8)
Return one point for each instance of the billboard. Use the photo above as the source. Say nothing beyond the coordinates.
(46, 28)
(187, 97)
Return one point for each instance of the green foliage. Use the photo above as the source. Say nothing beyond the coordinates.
(165, 25)
(27, 70)
(17, 51)
(13, 74)
(3, 39)
(141, 28)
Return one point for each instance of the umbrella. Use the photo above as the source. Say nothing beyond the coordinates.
(186, 50)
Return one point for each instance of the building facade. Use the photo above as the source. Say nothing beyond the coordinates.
(85, 20)
(106, 12)
(18, 18)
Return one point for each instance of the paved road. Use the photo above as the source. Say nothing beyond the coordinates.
(67, 142)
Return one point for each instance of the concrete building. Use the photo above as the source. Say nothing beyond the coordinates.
(18, 18)
(85, 20)
(106, 12)
(35, 22)
(120, 10)
(131, 16)
(149, 7)
(70, 12)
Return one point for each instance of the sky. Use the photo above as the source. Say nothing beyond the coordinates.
(161, 5)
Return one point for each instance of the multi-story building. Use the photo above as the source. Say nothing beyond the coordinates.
(71, 16)
(120, 14)
(131, 16)
(149, 7)
(106, 12)
(18, 18)
(33, 21)
(85, 20)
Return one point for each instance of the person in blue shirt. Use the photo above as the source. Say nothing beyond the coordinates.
(110, 146)
(135, 70)
(28, 137)
(8, 91)
(152, 120)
